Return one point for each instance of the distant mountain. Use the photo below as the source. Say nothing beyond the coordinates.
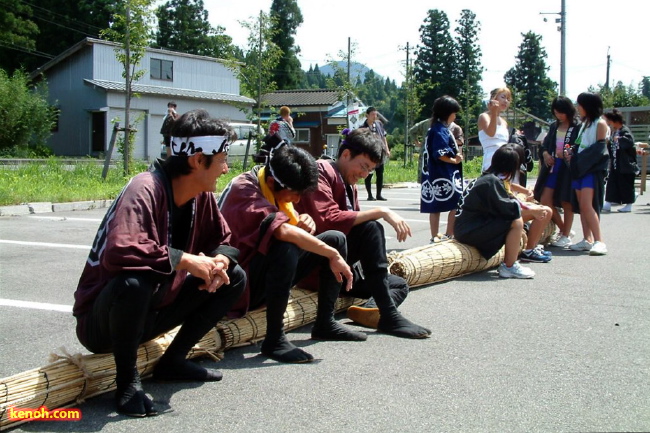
(356, 69)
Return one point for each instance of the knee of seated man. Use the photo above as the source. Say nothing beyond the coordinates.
(334, 239)
(372, 229)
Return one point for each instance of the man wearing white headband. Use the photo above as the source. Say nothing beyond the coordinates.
(278, 249)
(162, 257)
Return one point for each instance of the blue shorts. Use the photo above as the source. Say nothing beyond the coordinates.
(587, 181)
(551, 180)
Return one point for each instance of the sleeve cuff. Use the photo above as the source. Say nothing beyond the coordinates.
(175, 257)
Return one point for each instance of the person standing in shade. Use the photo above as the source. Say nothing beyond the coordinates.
(162, 257)
(375, 125)
(167, 125)
(622, 164)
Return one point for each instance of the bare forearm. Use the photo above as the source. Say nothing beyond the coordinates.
(304, 240)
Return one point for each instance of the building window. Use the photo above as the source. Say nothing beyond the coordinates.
(162, 69)
(302, 136)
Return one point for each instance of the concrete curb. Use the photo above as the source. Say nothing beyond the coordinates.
(46, 207)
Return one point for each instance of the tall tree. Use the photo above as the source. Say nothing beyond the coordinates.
(17, 33)
(468, 71)
(644, 87)
(620, 95)
(183, 26)
(287, 19)
(434, 65)
(130, 29)
(529, 77)
(60, 24)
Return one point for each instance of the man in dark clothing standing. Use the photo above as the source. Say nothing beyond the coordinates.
(375, 125)
(167, 125)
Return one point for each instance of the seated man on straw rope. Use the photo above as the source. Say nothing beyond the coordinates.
(162, 258)
(334, 205)
(278, 249)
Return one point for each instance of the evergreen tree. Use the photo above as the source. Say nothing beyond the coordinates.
(468, 71)
(620, 96)
(644, 87)
(435, 61)
(53, 26)
(528, 77)
(183, 26)
(287, 19)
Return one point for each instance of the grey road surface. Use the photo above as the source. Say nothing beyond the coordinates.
(566, 351)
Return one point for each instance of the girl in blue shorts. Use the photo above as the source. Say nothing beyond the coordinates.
(589, 160)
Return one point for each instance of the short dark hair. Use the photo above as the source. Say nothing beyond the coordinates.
(370, 109)
(563, 105)
(364, 141)
(194, 123)
(615, 116)
(443, 107)
(171, 104)
(294, 167)
(592, 104)
(505, 161)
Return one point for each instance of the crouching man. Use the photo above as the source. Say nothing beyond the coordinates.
(334, 205)
(278, 249)
(161, 258)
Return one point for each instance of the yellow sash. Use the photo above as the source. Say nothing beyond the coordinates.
(286, 207)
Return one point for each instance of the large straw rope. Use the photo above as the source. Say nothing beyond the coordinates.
(70, 379)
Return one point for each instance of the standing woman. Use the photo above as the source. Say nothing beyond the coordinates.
(492, 128)
(589, 160)
(442, 176)
(623, 167)
(553, 187)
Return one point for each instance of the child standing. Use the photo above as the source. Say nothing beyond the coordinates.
(442, 171)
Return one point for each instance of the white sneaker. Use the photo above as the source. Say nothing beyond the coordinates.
(562, 242)
(598, 249)
(626, 208)
(516, 271)
(571, 234)
(583, 245)
(607, 207)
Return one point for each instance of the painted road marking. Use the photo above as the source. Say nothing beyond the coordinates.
(45, 244)
(36, 305)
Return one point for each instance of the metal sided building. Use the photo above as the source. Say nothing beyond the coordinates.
(85, 83)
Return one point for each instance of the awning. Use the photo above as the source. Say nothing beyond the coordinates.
(306, 124)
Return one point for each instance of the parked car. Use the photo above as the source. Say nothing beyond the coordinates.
(243, 131)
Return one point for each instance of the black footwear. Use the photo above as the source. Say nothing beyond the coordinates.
(381, 198)
(184, 371)
(282, 350)
(334, 331)
(371, 198)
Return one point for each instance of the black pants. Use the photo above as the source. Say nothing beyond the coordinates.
(273, 275)
(126, 309)
(380, 180)
(367, 245)
(620, 188)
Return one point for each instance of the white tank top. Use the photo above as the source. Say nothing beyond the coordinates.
(491, 144)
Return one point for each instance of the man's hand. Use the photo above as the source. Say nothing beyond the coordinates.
(341, 270)
(306, 223)
(402, 229)
(212, 270)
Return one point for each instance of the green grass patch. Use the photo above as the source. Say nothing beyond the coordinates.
(52, 180)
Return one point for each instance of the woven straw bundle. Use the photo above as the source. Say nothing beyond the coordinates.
(70, 379)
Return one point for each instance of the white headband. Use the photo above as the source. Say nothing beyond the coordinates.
(208, 144)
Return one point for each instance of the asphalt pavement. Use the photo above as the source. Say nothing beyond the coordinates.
(566, 351)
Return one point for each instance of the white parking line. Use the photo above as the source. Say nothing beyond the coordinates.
(52, 218)
(36, 305)
(45, 244)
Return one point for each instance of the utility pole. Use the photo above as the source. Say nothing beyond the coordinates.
(406, 104)
(259, 77)
(347, 92)
(562, 29)
(609, 61)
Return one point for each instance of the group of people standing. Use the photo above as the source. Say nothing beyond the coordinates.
(587, 163)
(167, 253)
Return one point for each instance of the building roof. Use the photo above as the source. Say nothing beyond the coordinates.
(302, 97)
(115, 86)
(92, 41)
